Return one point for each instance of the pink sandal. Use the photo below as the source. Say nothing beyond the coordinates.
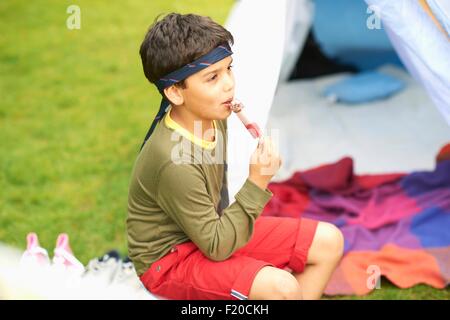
(63, 255)
(35, 255)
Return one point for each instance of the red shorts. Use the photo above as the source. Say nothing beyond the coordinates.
(186, 273)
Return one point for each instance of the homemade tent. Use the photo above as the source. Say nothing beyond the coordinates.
(395, 217)
(398, 134)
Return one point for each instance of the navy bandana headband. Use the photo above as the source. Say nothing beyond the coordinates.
(201, 63)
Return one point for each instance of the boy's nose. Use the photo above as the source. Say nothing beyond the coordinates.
(229, 83)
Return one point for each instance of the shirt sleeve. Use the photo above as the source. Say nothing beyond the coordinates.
(183, 195)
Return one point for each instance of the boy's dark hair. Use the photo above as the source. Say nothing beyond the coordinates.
(177, 40)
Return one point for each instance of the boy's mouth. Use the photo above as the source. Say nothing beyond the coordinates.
(228, 101)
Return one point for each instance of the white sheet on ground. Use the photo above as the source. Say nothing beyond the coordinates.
(398, 134)
(18, 281)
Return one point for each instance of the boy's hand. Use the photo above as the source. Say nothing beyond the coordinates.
(264, 162)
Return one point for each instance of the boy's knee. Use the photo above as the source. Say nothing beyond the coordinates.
(275, 284)
(332, 241)
(286, 287)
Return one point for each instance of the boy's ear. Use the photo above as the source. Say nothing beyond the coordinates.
(174, 94)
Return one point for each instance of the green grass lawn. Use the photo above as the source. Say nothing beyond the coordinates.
(74, 109)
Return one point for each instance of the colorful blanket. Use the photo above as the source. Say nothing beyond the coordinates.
(395, 225)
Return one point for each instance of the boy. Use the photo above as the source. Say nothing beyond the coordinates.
(185, 239)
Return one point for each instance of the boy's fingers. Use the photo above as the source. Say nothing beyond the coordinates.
(268, 147)
(268, 151)
(260, 142)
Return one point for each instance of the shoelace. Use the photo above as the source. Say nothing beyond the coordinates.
(106, 267)
(126, 270)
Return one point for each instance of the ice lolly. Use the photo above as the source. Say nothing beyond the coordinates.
(236, 106)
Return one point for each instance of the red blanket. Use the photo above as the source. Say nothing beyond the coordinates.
(396, 225)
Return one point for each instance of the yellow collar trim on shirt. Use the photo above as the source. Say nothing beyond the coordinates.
(170, 123)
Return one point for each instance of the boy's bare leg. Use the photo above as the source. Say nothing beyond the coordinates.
(272, 283)
(323, 257)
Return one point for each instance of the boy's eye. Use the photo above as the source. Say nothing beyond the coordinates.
(215, 76)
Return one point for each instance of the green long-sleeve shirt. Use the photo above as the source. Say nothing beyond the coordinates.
(176, 199)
